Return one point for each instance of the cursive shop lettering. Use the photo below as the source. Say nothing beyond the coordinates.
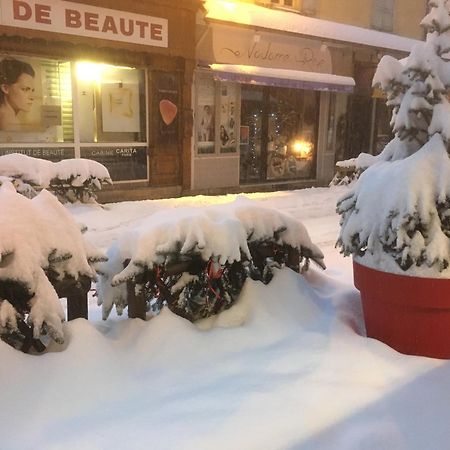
(302, 57)
(265, 53)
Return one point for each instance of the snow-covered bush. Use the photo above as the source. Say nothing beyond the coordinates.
(197, 259)
(71, 180)
(396, 217)
(39, 244)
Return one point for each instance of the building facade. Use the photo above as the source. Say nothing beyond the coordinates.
(283, 88)
(109, 81)
(201, 96)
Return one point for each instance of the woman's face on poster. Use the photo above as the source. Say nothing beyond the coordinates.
(20, 95)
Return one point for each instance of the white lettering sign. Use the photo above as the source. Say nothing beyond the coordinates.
(84, 20)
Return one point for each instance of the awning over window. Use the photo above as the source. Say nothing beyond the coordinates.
(296, 79)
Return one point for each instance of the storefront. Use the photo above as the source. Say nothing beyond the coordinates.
(112, 85)
(273, 105)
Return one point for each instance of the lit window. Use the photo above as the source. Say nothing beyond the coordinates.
(111, 102)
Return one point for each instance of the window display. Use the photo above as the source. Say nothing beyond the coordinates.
(111, 102)
(292, 123)
(282, 127)
(35, 100)
(37, 113)
(217, 122)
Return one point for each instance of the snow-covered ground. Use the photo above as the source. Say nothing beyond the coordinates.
(298, 374)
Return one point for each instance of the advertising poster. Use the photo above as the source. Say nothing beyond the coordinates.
(20, 95)
(227, 127)
(30, 102)
(120, 107)
(205, 123)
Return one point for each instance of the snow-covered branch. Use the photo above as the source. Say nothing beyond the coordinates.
(71, 180)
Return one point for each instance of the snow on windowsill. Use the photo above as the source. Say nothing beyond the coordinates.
(284, 73)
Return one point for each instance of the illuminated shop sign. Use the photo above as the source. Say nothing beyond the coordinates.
(84, 20)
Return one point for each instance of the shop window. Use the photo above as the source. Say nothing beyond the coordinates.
(337, 125)
(35, 101)
(111, 103)
(106, 123)
(293, 119)
(253, 141)
(217, 116)
(286, 3)
(383, 14)
(281, 125)
(111, 114)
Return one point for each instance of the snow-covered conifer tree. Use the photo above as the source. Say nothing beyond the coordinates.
(399, 209)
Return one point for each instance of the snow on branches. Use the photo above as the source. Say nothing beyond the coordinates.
(205, 241)
(396, 217)
(71, 180)
(39, 243)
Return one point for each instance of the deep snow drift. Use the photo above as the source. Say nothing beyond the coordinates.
(287, 368)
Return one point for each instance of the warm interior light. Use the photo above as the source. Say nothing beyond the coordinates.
(230, 6)
(87, 71)
(303, 149)
(90, 71)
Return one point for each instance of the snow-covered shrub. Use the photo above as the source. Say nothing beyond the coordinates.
(396, 217)
(39, 244)
(20, 186)
(71, 180)
(197, 259)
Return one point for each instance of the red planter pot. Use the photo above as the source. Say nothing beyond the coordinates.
(410, 314)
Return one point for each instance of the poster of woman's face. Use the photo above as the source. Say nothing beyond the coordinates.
(19, 108)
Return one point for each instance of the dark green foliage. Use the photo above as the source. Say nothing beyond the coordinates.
(195, 289)
(66, 192)
(20, 337)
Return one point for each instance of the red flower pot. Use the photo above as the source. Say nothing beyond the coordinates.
(410, 314)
